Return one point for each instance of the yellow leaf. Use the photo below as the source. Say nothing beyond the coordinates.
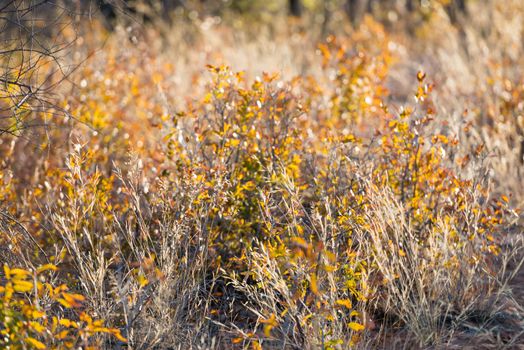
(64, 303)
(35, 343)
(54, 324)
(267, 330)
(65, 322)
(20, 272)
(86, 318)
(37, 314)
(233, 143)
(269, 324)
(63, 334)
(142, 280)
(313, 283)
(270, 320)
(22, 286)
(300, 242)
(306, 318)
(8, 291)
(344, 302)
(357, 327)
(118, 335)
(46, 267)
(98, 323)
(420, 76)
(207, 98)
(37, 326)
(73, 299)
(256, 345)
(94, 329)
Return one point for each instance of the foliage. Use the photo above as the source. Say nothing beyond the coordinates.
(37, 315)
(189, 204)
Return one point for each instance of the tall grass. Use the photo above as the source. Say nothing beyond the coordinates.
(364, 195)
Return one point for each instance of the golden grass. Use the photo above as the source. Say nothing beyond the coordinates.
(363, 193)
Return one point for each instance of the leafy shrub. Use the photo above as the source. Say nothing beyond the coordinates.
(263, 212)
(35, 314)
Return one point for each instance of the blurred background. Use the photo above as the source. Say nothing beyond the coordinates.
(471, 49)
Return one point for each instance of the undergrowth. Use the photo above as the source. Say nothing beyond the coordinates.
(317, 210)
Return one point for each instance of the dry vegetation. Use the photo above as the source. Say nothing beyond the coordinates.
(266, 182)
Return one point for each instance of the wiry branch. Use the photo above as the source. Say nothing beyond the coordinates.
(31, 61)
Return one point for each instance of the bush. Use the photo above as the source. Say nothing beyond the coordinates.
(178, 206)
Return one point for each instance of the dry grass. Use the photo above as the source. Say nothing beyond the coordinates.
(319, 208)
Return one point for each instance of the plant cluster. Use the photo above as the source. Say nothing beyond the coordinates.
(254, 212)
